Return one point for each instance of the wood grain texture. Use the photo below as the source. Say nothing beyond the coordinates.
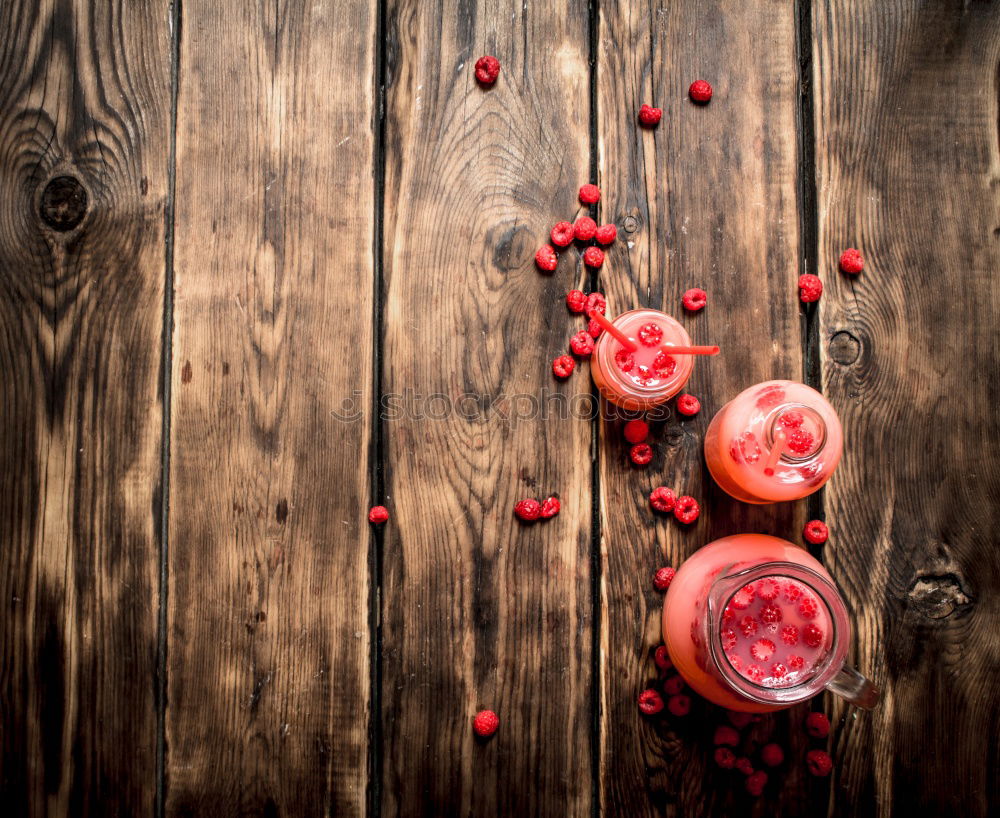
(907, 171)
(478, 610)
(268, 589)
(707, 199)
(84, 98)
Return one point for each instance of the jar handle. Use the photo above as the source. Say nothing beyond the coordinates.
(854, 688)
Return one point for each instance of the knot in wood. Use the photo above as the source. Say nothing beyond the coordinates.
(937, 597)
(845, 348)
(64, 203)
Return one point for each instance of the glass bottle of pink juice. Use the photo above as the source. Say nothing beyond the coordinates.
(754, 623)
(775, 441)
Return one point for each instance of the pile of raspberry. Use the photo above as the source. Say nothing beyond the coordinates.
(584, 231)
(811, 286)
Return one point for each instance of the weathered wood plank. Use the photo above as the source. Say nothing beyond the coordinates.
(707, 199)
(906, 134)
(479, 611)
(268, 596)
(85, 96)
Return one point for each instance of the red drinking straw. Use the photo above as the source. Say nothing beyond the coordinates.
(613, 331)
(694, 350)
(776, 451)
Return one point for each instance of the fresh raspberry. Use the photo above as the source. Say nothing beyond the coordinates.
(725, 758)
(650, 116)
(487, 70)
(700, 91)
(729, 639)
(688, 405)
(485, 723)
(550, 507)
(546, 258)
(812, 635)
(738, 719)
(664, 364)
(590, 194)
(662, 499)
(795, 662)
(641, 454)
(584, 228)
(593, 257)
(772, 754)
(636, 431)
(817, 725)
(808, 608)
(673, 685)
(767, 589)
(694, 299)
(810, 288)
(770, 614)
(743, 598)
(800, 441)
(778, 671)
(576, 301)
(378, 515)
(726, 736)
(851, 261)
(686, 510)
(663, 577)
(562, 234)
(791, 419)
(756, 782)
(563, 366)
(606, 234)
(762, 650)
(594, 329)
(650, 334)
(596, 301)
(661, 657)
(625, 360)
(744, 766)
(528, 509)
(679, 705)
(790, 635)
(748, 626)
(755, 673)
(792, 592)
(815, 532)
(819, 763)
(581, 343)
(650, 702)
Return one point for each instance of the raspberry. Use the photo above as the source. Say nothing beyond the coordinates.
(755, 673)
(650, 702)
(700, 91)
(815, 532)
(636, 431)
(728, 639)
(808, 608)
(487, 70)
(727, 615)
(743, 598)
(606, 234)
(756, 782)
(625, 360)
(686, 509)
(800, 442)
(738, 719)
(726, 736)
(673, 685)
(790, 635)
(562, 234)
(546, 258)
(581, 343)
(584, 228)
(679, 705)
(563, 366)
(778, 671)
(550, 507)
(819, 763)
(593, 257)
(596, 301)
(817, 725)
(378, 515)
(662, 499)
(688, 405)
(485, 723)
(792, 592)
(725, 758)
(663, 577)
(662, 658)
(590, 194)
(641, 454)
(694, 299)
(795, 662)
(664, 364)
(650, 334)
(650, 116)
(851, 261)
(762, 650)
(770, 614)
(594, 329)
(735, 661)
(810, 288)
(576, 301)
(748, 626)
(767, 589)
(769, 396)
(744, 766)
(791, 419)
(772, 754)
(528, 510)
(812, 635)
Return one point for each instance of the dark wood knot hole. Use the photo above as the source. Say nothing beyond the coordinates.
(845, 348)
(64, 203)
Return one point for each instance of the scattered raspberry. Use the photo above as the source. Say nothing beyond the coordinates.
(664, 364)
(808, 608)
(762, 650)
(795, 662)
(772, 754)
(562, 234)
(686, 510)
(815, 532)
(679, 705)
(694, 299)
(596, 301)
(590, 194)
(576, 301)
(812, 635)
(606, 234)
(378, 515)
(662, 658)
(593, 257)
(728, 639)
(594, 329)
(756, 782)
(487, 70)
(778, 671)
(770, 614)
(662, 499)
(800, 441)
(673, 685)
(743, 598)
(563, 366)
(584, 228)
(767, 589)
(485, 723)
(641, 454)
(581, 343)
(726, 736)
(546, 258)
(738, 719)
(636, 431)
(744, 766)
(817, 725)
(791, 419)
(550, 507)
(810, 288)
(851, 261)
(725, 758)
(625, 360)
(649, 116)
(663, 577)
(700, 91)
(650, 334)
(819, 763)
(528, 509)
(755, 673)
(650, 702)
(748, 626)
(790, 635)
(688, 405)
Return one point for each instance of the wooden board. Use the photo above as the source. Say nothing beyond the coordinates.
(269, 544)
(906, 134)
(478, 610)
(84, 132)
(707, 199)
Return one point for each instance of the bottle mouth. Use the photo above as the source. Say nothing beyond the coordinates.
(804, 430)
(673, 335)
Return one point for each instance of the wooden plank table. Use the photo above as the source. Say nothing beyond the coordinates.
(264, 266)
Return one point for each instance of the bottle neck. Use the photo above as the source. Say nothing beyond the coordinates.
(802, 428)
